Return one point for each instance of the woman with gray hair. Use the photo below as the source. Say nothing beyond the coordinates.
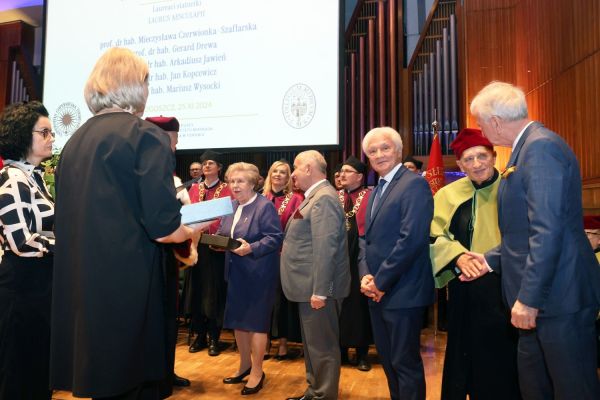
(252, 271)
(117, 203)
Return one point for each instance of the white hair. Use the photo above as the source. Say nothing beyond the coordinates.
(500, 99)
(385, 131)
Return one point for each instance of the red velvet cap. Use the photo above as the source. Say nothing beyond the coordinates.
(591, 222)
(467, 138)
(169, 124)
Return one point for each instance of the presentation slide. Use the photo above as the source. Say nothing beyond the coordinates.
(235, 73)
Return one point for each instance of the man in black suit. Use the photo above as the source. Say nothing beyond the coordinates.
(395, 265)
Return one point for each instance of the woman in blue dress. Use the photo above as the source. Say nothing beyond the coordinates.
(252, 271)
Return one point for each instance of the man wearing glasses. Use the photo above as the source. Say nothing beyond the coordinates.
(355, 322)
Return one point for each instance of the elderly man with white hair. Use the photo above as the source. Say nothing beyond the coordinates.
(395, 265)
(550, 277)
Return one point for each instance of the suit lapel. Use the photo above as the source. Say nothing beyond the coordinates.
(245, 222)
(380, 204)
(368, 212)
(306, 201)
(513, 161)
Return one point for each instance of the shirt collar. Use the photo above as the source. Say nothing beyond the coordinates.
(249, 201)
(314, 185)
(212, 184)
(390, 175)
(520, 134)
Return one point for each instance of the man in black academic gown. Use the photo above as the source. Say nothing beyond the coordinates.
(171, 276)
(355, 322)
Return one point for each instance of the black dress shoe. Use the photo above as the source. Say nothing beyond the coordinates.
(253, 390)
(304, 397)
(180, 382)
(213, 348)
(199, 344)
(363, 365)
(290, 355)
(237, 379)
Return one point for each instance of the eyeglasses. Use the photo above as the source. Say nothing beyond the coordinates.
(482, 157)
(46, 132)
(195, 169)
(348, 171)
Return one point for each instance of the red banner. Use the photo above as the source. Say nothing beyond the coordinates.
(435, 166)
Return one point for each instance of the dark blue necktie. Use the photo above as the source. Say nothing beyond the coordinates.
(377, 195)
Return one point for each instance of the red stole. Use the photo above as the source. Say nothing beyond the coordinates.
(199, 192)
(285, 211)
(361, 213)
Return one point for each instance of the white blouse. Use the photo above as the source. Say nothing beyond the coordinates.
(26, 210)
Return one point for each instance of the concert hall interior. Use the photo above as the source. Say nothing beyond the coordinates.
(312, 114)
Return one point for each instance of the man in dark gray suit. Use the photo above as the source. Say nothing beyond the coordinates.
(550, 277)
(315, 273)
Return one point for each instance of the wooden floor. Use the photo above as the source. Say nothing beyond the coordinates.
(287, 378)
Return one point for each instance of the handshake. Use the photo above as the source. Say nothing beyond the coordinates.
(472, 266)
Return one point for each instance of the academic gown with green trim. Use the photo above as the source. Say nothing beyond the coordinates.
(482, 344)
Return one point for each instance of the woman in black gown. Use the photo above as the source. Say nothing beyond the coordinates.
(116, 205)
(27, 222)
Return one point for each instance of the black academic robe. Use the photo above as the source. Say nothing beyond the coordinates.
(115, 196)
(205, 290)
(355, 321)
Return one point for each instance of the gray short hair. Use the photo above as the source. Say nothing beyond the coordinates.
(500, 99)
(119, 79)
(385, 131)
(315, 158)
(250, 171)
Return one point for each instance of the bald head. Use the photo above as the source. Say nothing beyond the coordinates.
(309, 168)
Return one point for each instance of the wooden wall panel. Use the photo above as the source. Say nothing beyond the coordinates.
(12, 34)
(551, 49)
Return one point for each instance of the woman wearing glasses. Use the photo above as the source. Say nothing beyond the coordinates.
(27, 223)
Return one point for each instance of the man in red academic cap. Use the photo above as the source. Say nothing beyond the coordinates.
(171, 266)
(481, 354)
(591, 224)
